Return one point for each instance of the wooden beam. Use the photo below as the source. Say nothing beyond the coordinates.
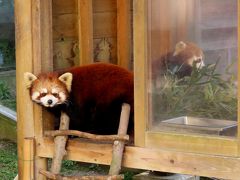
(140, 54)
(33, 54)
(99, 177)
(28, 158)
(124, 33)
(24, 63)
(149, 158)
(194, 143)
(42, 62)
(85, 28)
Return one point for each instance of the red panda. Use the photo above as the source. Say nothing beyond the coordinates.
(91, 95)
(180, 61)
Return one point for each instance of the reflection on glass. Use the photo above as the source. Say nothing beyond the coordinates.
(192, 56)
(7, 55)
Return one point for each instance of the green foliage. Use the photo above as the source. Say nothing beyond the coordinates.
(6, 97)
(8, 160)
(4, 92)
(7, 49)
(203, 94)
(128, 175)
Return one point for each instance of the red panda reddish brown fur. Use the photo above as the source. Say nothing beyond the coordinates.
(97, 94)
(184, 55)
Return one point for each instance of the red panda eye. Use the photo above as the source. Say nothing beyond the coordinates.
(43, 94)
(55, 94)
(198, 60)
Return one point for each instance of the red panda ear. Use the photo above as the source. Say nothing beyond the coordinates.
(29, 78)
(66, 78)
(180, 46)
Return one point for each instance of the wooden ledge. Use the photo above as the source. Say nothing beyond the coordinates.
(53, 176)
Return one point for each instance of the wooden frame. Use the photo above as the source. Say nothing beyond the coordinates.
(221, 146)
(149, 158)
(85, 24)
(161, 151)
(166, 139)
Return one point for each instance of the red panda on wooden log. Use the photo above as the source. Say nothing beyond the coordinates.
(91, 95)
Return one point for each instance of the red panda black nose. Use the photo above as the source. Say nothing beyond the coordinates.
(49, 101)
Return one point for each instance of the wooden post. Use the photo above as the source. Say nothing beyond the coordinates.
(123, 33)
(118, 146)
(28, 159)
(33, 53)
(85, 29)
(60, 144)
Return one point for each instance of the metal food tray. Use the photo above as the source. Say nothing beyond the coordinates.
(188, 124)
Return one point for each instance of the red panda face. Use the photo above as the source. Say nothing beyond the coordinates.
(189, 53)
(49, 90)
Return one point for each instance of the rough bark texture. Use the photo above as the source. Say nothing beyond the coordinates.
(118, 146)
(87, 135)
(60, 144)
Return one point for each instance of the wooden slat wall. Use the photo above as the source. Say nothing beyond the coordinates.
(87, 22)
(105, 25)
(65, 19)
(65, 32)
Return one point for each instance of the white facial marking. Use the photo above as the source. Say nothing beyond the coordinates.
(49, 100)
(62, 97)
(35, 95)
(44, 90)
(54, 91)
(200, 64)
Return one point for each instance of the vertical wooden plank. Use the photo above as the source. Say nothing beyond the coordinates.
(33, 43)
(238, 94)
(85, 26)
(123, 33)
(28, 158)
(23, 64)
(140, 54)
(46, 35)
(42, 61)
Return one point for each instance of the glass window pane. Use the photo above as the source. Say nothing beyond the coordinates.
(192, 61)
(7, 55)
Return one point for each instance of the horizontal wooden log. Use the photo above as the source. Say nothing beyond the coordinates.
(60, 177)
(87, 135)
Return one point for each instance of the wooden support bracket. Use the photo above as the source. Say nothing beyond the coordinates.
(60, 144)
(118, 146)
(61, 137)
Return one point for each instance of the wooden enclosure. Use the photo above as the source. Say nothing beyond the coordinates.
(54, 34)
